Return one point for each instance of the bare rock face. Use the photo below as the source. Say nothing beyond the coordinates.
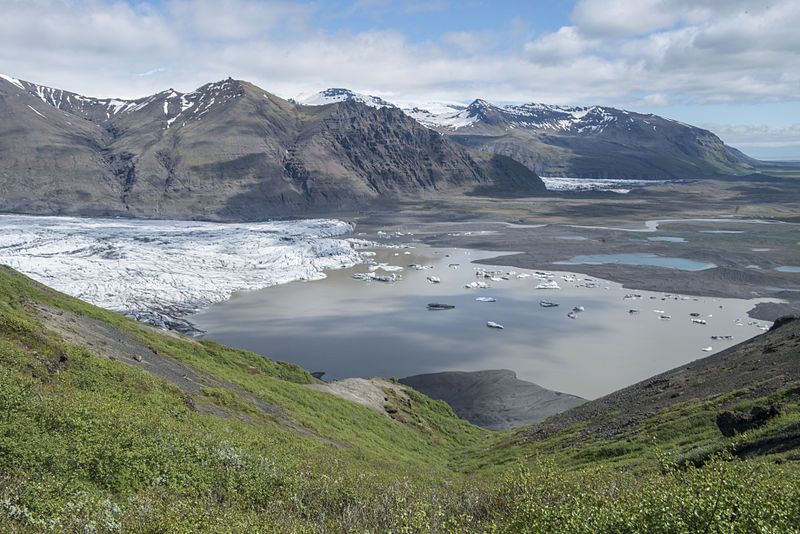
(494, 399)
(226, 151)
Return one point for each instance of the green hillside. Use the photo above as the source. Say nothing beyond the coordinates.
(109, 425)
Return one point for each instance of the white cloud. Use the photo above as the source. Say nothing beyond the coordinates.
(237, 19)
(760, 134)
(761, 141)
(564, 45)
(642, 53)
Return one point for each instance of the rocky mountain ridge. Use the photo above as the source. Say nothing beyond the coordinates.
(226, 151)
(493, 399)
(577, 141)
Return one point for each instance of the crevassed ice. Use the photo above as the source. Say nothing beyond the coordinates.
(162, 271)
(618, 185)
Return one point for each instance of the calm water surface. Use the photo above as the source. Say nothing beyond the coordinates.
(348, 327)
(682, 264)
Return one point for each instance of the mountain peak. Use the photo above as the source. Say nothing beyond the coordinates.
(479, 104)
(333, 95)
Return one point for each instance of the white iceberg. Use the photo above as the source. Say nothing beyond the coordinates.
(551, 284)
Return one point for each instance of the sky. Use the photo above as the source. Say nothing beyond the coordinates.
(732, 66)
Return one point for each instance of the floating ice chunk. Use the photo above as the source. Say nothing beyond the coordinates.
(486, 299)
(385, 267)
(492, 324)
(708, 349)
(393, 277)
(434, 279)
(552, 284)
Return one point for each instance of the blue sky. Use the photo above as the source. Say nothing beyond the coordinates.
(730, 65)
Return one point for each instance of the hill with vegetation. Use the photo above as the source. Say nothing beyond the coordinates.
(109, 425)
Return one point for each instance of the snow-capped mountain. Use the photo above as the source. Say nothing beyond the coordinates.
(596, 142)
(591, 119)
(169, 106)
(585, 142)
(228, 150)
(334, 95)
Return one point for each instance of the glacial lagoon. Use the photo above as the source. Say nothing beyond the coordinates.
(348, 327)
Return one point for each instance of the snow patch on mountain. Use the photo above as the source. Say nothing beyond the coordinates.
(13, 81)
(534, 116)
(163, 271)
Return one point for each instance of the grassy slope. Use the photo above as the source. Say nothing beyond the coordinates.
(74, 425)
(89, 441)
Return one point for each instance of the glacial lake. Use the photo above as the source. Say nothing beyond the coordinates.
(653, 260)
(347, 327)
(788, 269)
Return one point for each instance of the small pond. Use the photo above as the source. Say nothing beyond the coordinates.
(652, 260)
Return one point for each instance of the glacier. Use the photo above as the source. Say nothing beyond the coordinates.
(160, 271)
(614, 185)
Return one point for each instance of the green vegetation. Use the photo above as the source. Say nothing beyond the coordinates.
(92, 440)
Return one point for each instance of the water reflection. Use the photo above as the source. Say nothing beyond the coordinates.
(349, 327)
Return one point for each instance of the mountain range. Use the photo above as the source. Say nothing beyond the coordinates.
(232, 151)
(228, 151)
(581, 142)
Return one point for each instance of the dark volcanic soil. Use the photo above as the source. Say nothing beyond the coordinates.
(546, 231)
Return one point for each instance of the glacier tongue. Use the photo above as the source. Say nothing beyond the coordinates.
(163, 271)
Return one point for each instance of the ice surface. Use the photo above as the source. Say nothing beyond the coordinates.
(163, 271)
(615, 185)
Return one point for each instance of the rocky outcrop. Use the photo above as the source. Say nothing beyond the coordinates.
(731, 423)
(494, 399)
